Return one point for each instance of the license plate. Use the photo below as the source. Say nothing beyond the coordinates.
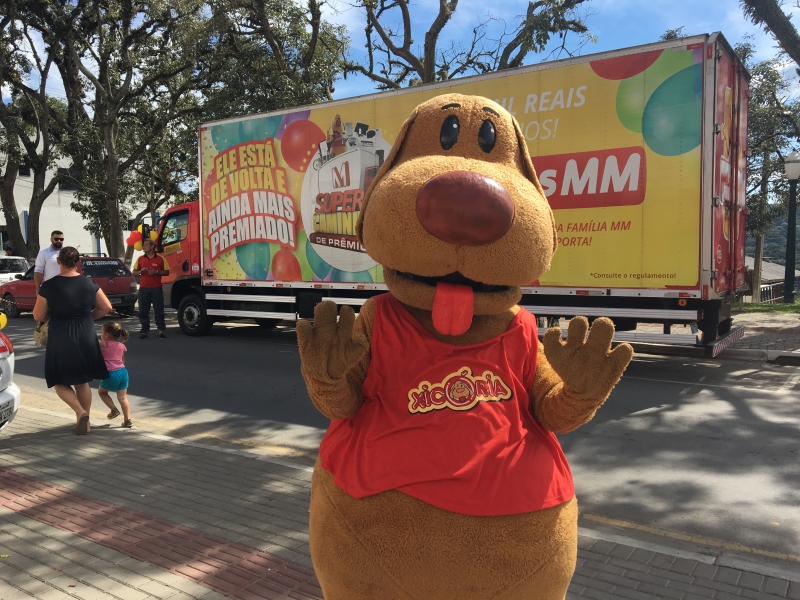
(5, 411)
(115, 300)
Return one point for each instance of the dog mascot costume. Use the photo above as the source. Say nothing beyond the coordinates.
(440, 476)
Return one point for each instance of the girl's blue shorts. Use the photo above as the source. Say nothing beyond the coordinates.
(117, 380)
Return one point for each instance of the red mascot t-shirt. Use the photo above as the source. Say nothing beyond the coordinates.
(449, 425)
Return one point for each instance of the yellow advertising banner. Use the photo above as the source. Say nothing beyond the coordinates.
(615, 142)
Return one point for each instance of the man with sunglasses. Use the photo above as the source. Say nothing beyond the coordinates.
(46, 265)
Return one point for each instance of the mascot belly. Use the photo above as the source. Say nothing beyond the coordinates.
(440, 476)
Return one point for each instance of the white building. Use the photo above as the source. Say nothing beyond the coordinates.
(55, 214)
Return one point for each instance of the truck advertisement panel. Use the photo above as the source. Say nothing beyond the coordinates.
(615, 142)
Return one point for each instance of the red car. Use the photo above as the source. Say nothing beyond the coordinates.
(111, 274)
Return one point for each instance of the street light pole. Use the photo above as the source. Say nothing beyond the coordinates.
(791, 165)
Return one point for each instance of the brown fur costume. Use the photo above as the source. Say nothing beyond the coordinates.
(392, 546)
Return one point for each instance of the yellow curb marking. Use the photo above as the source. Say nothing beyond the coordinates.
(689, 537)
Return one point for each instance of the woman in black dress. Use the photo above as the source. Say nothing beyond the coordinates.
(73, 356)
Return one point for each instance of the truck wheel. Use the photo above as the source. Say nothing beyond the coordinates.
(724, 327)
(192, 316)
(268, 323)
(10, 306)
(709, 330)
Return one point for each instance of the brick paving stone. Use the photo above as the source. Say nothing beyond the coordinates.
(705, 571)
(751, 581)
(777, 587)
(794, 591)
(728, 575)
(238, 529)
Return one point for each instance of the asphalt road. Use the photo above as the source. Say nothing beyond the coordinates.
(698, 446)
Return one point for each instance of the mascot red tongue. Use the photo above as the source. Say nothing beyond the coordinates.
(452, 308)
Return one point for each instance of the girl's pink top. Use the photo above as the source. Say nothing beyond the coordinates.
(112, 353)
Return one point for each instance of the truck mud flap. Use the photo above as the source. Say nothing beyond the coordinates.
(734, 335)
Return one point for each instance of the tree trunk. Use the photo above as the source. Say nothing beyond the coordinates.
(13, 226)
(38, 196)
(759, 258)
(114, 241)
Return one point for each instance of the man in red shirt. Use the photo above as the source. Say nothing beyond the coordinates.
(151, 267)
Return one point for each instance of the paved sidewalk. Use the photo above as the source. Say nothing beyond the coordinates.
(130, 516)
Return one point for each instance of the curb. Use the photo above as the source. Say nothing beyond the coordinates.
(778, 357)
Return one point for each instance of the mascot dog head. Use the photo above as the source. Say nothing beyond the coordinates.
(456, 214)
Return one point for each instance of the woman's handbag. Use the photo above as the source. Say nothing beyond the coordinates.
(40, 334)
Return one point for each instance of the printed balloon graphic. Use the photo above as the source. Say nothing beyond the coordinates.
(285, 266)
(623, 67)
(634, 92)
(320, 267)
(254, 260)
(350, 276)
(299, 144)
(225, 136)
(300, 255)
(258, 129)
(672, 118)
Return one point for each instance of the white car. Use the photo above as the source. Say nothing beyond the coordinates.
(9, 392)
(11, 266)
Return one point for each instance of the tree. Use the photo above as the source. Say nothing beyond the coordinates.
(140, 61)
(772, 131)
(672, 34)
(392, 58)
(769, 14)
(34, 125)
(278, 54)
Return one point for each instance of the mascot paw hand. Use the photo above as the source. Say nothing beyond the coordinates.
(329, 348)
(588, 366)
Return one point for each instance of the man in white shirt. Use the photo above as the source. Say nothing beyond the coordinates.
(46, 265)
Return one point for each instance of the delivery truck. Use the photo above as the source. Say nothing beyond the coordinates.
(641, 153)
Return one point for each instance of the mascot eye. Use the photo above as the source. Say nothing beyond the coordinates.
(486, 136)
(449, 134)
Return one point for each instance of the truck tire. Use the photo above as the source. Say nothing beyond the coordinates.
(192, 316)
(724, 327)
(10, 306)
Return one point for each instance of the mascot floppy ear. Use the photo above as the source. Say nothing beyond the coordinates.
(531, 173)
(387, 164)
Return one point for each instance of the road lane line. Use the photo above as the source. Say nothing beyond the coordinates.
(690, 537)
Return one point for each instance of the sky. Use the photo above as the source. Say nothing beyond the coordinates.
(615, 23)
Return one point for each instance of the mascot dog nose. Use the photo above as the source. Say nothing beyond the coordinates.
(465, 208)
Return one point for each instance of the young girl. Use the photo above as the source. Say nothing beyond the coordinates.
(111, 343)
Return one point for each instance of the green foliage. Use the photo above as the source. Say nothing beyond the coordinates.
(672, 34)
(772, 307)
(775, 243)
(773, 118)
(140, 75)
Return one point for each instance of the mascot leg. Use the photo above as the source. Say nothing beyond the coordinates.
(394, 547)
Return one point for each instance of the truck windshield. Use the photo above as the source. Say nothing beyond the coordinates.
(104, 268)
(13, 265)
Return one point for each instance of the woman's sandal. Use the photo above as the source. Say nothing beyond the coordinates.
(114, 414)
(127, 424)
(82, 428)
